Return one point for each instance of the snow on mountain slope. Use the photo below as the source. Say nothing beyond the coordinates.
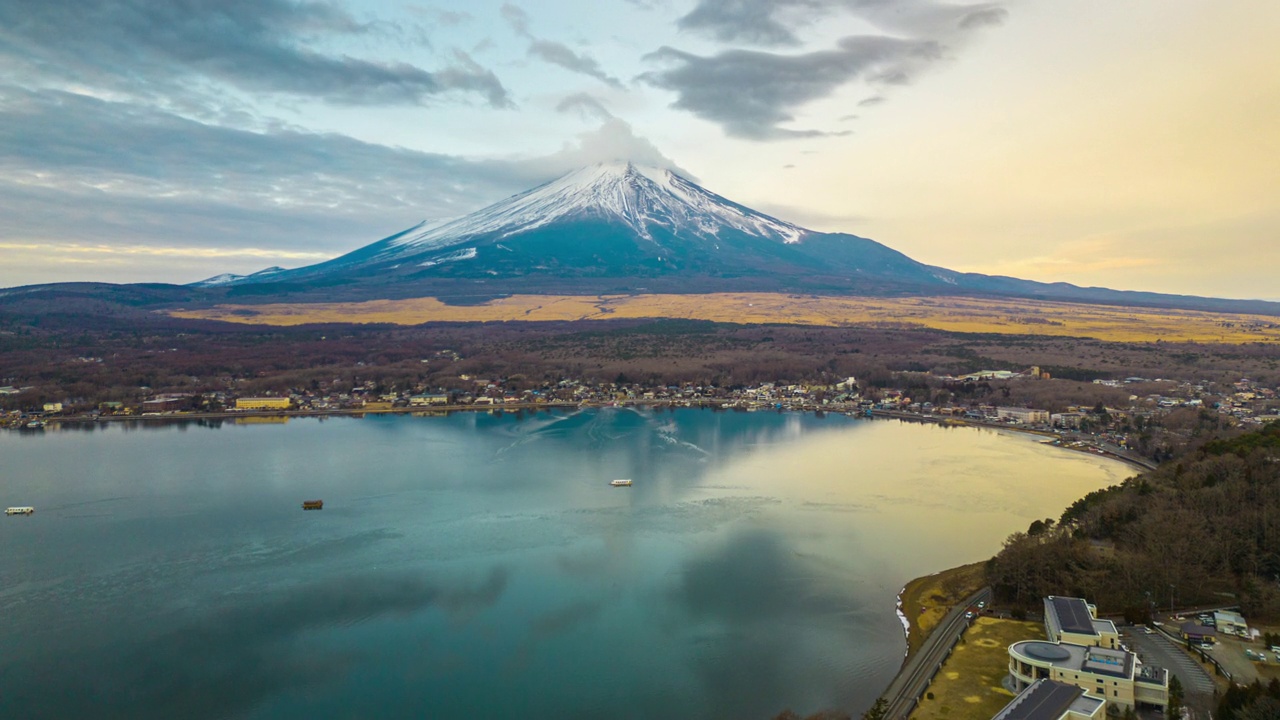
(232, 278)
(639, 197)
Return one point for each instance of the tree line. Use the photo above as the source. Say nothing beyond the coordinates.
(1197, 528)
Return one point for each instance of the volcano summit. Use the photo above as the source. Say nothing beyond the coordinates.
(615, 227)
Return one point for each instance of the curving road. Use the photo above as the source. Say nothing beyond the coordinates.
(918, 670)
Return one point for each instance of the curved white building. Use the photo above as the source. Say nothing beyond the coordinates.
(1116, 676)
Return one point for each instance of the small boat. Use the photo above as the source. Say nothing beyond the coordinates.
(312, 504)
(621, 483)
(19, 510)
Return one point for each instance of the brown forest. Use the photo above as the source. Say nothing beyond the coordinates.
(1197, 530)
(86, 360)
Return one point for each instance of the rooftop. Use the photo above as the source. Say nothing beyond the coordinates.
(1059, 655)
(1196, 629)
(1104, 626)
(1069, 656)
(1072, 614)
(1044, 700)
(1152, 674)
(1104, 661)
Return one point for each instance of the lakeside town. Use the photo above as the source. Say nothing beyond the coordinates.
(1134, 418)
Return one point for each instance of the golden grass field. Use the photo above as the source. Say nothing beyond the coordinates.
(951, 314)
(968, 686)
(926, 600)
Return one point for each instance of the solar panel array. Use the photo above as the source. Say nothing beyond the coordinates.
(1073, 615)
(1046, 700)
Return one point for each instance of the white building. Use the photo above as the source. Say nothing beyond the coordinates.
(1116, 676)
(429, 399)
(1085, 652)
(1070, 420)
(1230, 623)
(1023, 415)
(1073, 620)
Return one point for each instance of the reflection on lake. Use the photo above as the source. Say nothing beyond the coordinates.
(480, 565)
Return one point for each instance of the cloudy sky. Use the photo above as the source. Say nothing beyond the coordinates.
(1128, 144)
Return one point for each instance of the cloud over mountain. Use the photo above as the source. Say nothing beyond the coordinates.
(752, 93)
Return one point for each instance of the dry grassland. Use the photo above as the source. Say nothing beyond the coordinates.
(926, 600)
(968, 686)
(951, 314)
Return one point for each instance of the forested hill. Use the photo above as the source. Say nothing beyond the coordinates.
(1198, 528)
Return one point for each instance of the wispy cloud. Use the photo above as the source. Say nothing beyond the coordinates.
(560, 54)
(94, 252)
(555, 53)
(1073, 259)
(585, 104)
(778, 22)
(614, 139)
(150, 49)
(166, 186)
(752, 94)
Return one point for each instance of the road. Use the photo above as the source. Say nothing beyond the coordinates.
(918, 670)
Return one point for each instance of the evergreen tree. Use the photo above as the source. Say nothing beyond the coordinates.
(1174, 709)
(876, 711)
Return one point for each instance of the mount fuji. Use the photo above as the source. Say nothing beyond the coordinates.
(614, 226)
(621, 228)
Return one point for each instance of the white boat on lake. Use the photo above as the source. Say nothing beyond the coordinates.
(621, 483)
(19, 510)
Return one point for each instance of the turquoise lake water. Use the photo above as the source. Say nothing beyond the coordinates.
(480, 566)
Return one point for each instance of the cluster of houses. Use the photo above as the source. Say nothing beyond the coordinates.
(1206, 628)
(1246, 401)
(1082, 672)
(843, 396)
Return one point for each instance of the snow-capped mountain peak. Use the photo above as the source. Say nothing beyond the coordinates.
(640, 197)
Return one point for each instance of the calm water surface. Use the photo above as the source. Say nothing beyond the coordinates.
(480, 565)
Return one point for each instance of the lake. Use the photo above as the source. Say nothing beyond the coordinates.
(480, 565)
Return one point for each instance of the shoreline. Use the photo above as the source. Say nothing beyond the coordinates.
(1138, 463)
(924, 601)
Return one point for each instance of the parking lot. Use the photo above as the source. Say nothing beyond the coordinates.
(1230, 652)
(1156, 649)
